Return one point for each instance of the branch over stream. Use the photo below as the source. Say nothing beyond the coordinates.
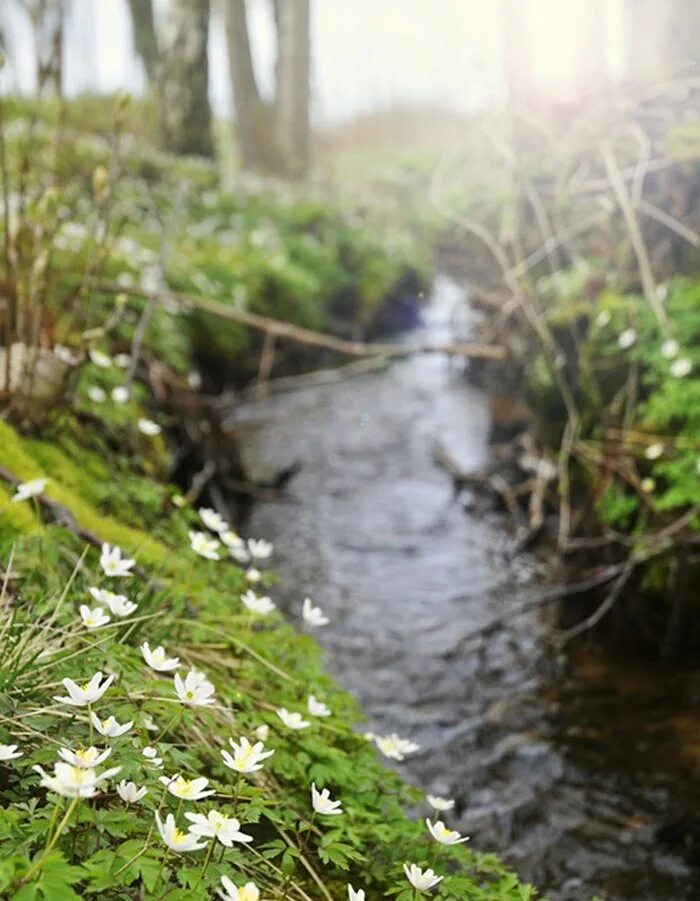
(277, 328)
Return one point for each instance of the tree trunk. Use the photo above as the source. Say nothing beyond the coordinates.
(273, 137)
(185, 114)
(293, 70)
(47, 18)
(253, 115)
(144, 37)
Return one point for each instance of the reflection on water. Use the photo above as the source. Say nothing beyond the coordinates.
(557, 763)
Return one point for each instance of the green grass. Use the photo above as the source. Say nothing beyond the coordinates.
(192, 606)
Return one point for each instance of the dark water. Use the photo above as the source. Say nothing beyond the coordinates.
(581, 772)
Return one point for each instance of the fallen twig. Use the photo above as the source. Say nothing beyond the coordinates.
(277, 328)
(590, 621)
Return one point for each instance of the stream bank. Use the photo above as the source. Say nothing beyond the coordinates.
(555, 760)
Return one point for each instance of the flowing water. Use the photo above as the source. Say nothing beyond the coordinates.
(578, 769)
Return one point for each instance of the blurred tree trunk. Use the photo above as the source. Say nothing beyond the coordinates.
(185, 113)
(254, 115)
(47, 18)
(293, 71)
(273, 135)
(144, 36)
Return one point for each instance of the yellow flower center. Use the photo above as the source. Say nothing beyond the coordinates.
(245, 756)
(189, 695)
(248, 894)
(183, 787)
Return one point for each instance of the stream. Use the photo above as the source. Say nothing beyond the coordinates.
(579, 768)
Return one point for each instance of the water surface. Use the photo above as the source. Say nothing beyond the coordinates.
(575, 769)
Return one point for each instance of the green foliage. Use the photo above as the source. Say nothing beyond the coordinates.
(110, 851)
(113, 209)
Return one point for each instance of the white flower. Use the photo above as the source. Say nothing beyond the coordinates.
(195, 690)
(148, 427)
(174, 838)
(246, 757)
(120, 394)
(627, 338)
(438, 803)
(205, 546)
(670, 348)
(26, 490)
(257, 604)
(603, 318)
(647, 485)
(394, 747)
(65, 355)
(123, 361)
(112, 562)
(151, 756)
(423, 880)
(121, 606)
(87, 758)
(118, 604)
(314, 616)
(239, 553)
(93, 619)
(317, 708)
(292, 720)
(73, 781)
(654, 451)
(253, 575)
(355, 894)
(680, 368)
(128, 792)
(262, 732)
(259, 550)
(187, 789)
(89, 693)
(226, 830)
(158, 660)
(213, 520)
(9, 752)
(248, 892)
(233, 540)
(99, 359)
(322, 803)
(96, 394)
(110, 728)
(236, 546)
(149, 723)
(442, 834)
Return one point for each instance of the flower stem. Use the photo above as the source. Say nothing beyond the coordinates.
(170, 725)
(210, 850)
(52, 822)
(160, 871)
(52, 844)
(237, 792)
